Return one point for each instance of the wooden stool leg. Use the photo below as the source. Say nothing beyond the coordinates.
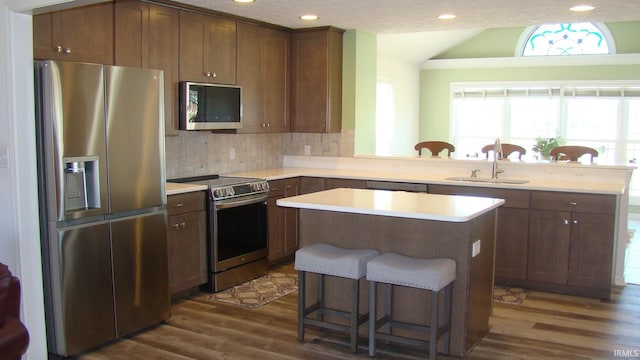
(433, 329)
(320, 314)
(447, 314)
(355, 314)
(388, 308)
(372, 318)
(301, 305)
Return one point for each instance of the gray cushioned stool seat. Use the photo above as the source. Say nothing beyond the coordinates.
(429, 274)
(329, 260)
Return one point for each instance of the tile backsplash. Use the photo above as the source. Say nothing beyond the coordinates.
(194, 153)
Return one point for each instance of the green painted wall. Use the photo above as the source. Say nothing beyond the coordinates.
(349, 39)
(435, 84)
(361, 71)
(502, 42)
(489, 43)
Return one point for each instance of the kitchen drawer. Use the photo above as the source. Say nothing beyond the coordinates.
(186, 202)
(512, 198)
(588, 203)
(277, 187)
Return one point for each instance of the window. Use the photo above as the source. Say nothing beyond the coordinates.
(602, 115)
(385, 118)
(566, 39)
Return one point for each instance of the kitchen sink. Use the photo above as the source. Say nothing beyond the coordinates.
(487, 180)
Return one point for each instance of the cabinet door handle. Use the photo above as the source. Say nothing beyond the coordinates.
(566, 222)
(183, 224)
(573, 203)
(58, 49)
(575, 221)
(175, 225)
(67, 51)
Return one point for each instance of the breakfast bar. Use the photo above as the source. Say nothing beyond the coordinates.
(419, 225)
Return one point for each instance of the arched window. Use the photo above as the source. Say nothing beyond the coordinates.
(566, 39)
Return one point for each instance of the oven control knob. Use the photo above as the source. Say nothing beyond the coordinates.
(217, 193)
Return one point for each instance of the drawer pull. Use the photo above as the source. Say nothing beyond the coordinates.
(573, 203)
(575, 221)
(183, 224)
(178, 205)
(175, 225)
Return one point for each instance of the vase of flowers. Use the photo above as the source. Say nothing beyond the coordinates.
(544, 145)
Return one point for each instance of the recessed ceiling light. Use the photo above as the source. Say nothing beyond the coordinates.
(244, 1)
(309, 17)
(446, 16)
(582, 8)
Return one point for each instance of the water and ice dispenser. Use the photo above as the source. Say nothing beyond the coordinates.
(81, 183)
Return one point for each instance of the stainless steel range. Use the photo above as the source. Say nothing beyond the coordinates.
(237, 229)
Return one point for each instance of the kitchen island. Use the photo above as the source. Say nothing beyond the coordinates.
(412, 224)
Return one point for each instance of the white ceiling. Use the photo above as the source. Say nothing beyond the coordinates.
(429, 36)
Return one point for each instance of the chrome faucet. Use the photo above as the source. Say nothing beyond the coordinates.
(497, 155)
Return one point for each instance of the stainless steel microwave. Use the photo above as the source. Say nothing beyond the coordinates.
(210, 106)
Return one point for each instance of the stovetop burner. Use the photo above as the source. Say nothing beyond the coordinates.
(226, 187)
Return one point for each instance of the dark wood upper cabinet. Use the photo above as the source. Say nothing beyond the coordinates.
(263, 73)
(316, 97)
(147, 35)
(82, 34)
(207, 48)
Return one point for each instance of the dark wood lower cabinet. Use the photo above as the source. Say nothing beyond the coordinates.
(554, 241)
(283, 222)
(549, 239)
(187, 239)
(511, 244)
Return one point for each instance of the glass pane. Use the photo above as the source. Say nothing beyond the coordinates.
(592, 119)
(533, 117)
(566, 39)
(385, 118)
(479, 117)
(633, 127)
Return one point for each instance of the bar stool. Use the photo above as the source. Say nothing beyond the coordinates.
(429, 274)
(325, 259)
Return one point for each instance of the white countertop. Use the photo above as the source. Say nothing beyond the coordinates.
(181, 188)
(437, 178)
(395, 204)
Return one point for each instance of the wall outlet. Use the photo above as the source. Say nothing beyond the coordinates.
(232, 153)
(307, 150)
(475, 249)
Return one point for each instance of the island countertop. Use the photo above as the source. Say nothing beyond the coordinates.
(395, 204)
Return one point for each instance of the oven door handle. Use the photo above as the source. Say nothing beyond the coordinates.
(242, 202)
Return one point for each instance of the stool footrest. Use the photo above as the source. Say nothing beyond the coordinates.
(406, 326)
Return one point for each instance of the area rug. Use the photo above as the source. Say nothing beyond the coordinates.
(509, 295)
(258, 292)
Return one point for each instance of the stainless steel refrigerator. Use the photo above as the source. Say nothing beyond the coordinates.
(100, 136)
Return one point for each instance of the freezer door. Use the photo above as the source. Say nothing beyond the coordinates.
(71, 139)
(79, 292)
(135, 138)
(141, 271)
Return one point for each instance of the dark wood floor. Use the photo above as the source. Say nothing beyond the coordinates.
(544, 326)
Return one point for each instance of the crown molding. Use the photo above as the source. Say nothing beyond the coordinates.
(533, 61)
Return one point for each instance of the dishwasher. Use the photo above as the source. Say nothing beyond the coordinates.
(396, 186)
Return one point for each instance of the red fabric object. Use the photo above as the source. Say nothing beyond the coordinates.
(14, 337)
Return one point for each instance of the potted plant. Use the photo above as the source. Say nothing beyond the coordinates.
(544, 145)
